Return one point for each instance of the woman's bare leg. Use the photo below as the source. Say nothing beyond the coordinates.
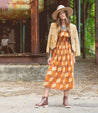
(65, 99)
(44, 100)
(66, 93)
(46, 91)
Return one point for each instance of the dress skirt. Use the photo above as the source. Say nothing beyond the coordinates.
(60, 72)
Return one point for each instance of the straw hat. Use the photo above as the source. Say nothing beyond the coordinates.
(62, 8)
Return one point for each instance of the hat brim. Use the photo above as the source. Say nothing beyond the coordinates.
(68, 9)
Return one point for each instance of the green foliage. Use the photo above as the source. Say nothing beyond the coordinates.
(89, 24)
(90, 30)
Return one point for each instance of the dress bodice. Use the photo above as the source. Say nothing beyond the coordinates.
(64, 34)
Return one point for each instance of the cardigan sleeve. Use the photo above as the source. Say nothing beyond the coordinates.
(49, 38)
(77, 44)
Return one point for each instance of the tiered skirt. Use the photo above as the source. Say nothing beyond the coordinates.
(60, 73)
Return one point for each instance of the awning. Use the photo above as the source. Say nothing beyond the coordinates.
(17, 9)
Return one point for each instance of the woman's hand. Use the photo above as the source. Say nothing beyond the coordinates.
(74, 59)
(49, 60)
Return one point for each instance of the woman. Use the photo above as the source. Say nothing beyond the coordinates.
(63, 47)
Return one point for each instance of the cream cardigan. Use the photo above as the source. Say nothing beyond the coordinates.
(53, 35)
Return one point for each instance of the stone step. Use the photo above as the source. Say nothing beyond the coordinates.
(33, 72)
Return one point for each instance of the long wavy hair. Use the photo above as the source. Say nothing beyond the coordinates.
(67, 22)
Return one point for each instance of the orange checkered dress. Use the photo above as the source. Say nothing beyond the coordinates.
(60, 72)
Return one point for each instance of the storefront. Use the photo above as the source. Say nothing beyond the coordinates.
(19, 31)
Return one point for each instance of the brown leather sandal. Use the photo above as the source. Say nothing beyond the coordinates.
(65, 102)
(43, 102)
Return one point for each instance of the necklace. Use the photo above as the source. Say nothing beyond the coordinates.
(63, 27)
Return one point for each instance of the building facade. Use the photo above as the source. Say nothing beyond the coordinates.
(24, 27)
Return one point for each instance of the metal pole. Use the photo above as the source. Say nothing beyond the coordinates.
(74, 11)
(21, 36)
(96, 32)
(83, 28)
(79, 26)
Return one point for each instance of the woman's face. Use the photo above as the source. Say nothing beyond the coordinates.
(62, 15)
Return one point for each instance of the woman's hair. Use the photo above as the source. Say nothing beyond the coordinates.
(67, 22)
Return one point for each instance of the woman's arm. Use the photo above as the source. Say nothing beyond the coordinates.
(77, 44)
(74, 58)
(49, 57)
(50, 53)
(49, 38)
